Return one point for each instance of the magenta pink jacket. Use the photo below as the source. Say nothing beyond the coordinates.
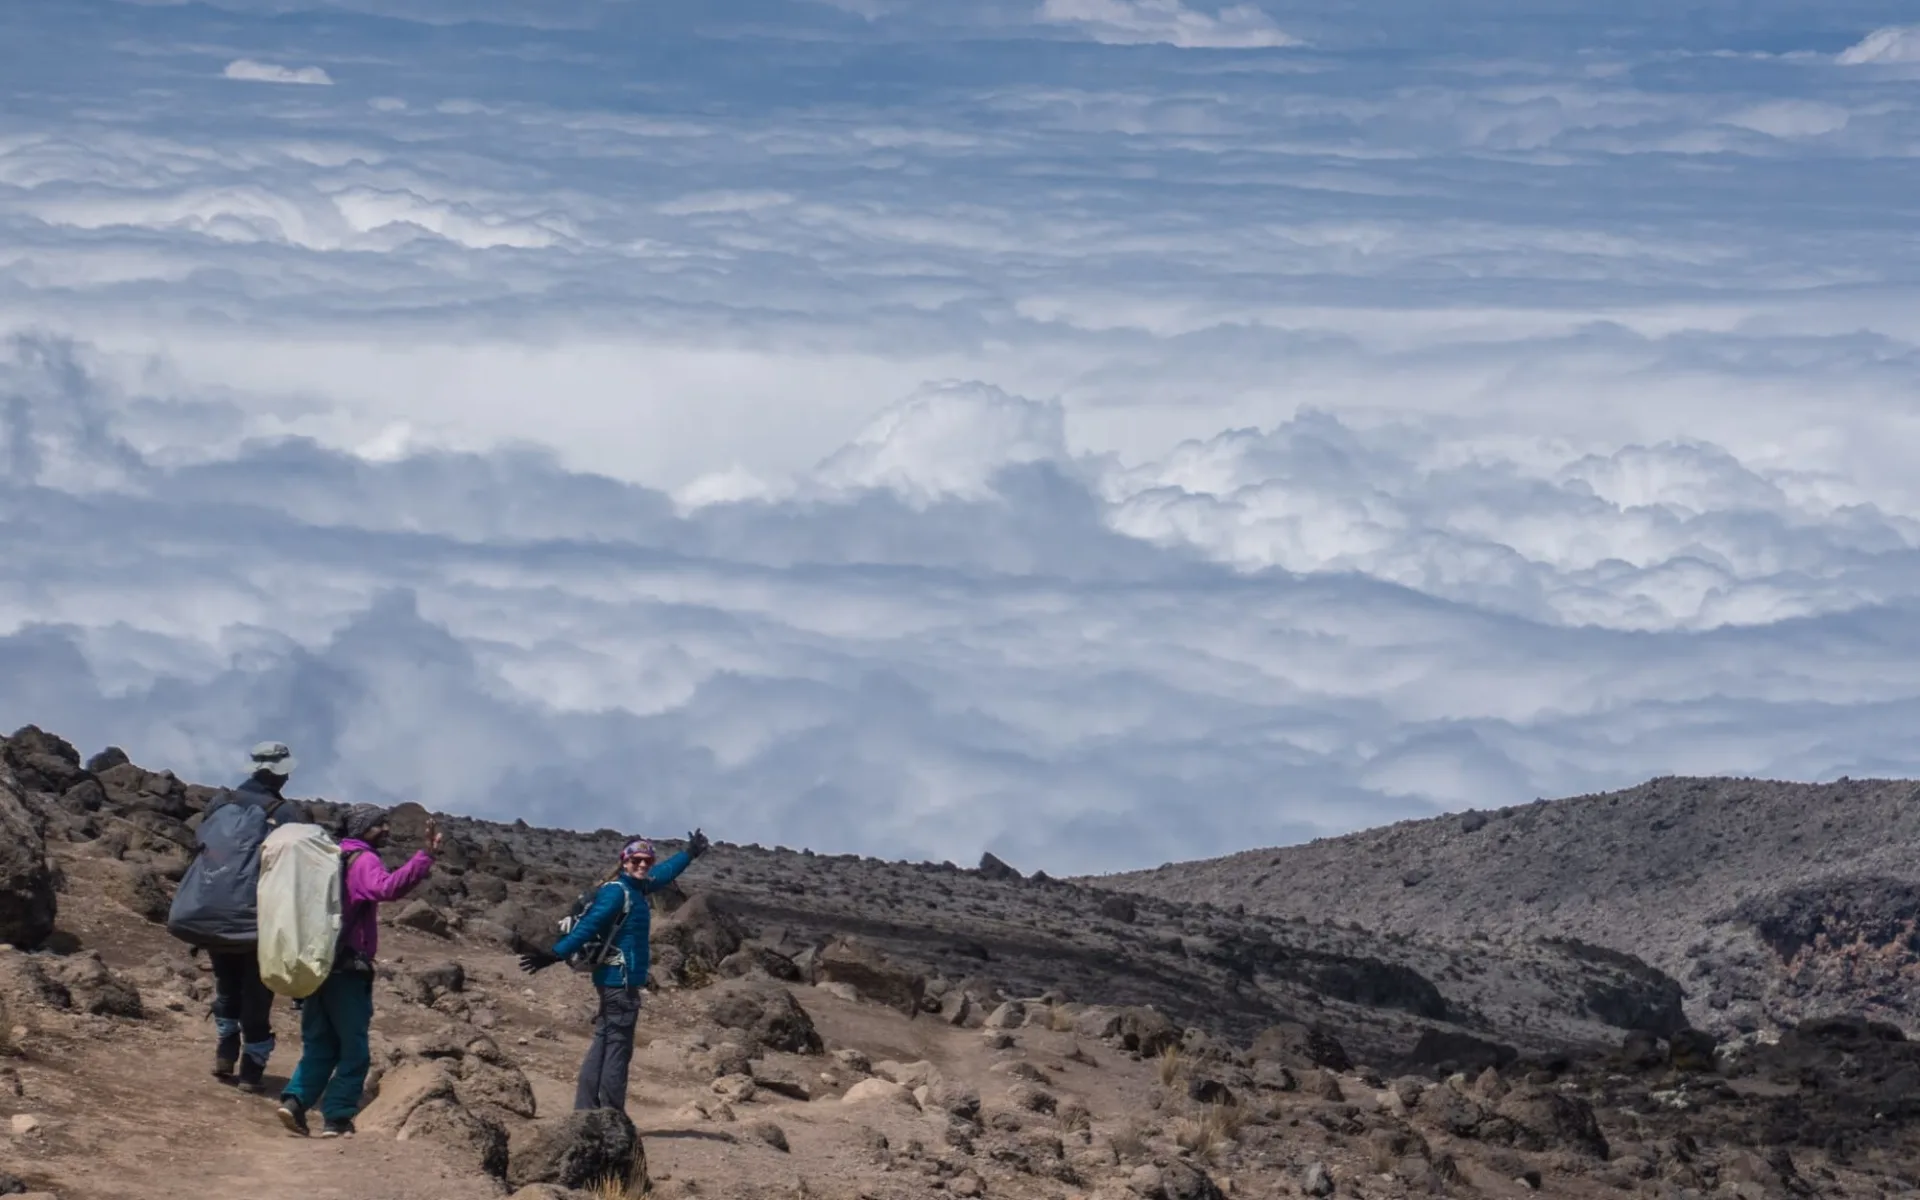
(369, 885)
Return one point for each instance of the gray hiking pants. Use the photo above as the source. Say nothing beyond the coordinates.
(603, 1074)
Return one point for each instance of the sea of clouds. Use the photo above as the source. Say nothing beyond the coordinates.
(1099, 431)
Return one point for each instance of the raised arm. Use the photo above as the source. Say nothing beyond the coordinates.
(665, 871)
(367, 879)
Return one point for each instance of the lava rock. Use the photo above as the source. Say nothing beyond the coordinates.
(998, 871)
(766, 1012)
(578, 1150)
(27, 901)
(704, 933)
(1451, 1051)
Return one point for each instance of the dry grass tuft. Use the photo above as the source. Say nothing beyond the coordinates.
(1073, 1117)
(1194, 1135)
(1130, 1142)
(1059, 1020)
(1231, 1119)
(7, 1048)
(637, 1184)
(1171, 1065)
(1210, 1131)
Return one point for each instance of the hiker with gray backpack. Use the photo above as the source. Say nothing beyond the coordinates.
(607, 933)
(215, 910)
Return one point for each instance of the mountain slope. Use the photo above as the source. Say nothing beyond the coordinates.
(847, 1029)
(1769, 901)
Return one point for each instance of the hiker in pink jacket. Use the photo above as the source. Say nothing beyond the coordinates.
(336, 1020)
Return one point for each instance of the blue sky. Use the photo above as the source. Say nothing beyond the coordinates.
(1101, 431)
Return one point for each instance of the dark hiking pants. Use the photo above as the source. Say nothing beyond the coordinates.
(242, 1006)
(603, 1074)
(334, 1054)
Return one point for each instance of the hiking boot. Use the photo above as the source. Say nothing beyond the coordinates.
(252, 1076)
(226, 1056)
(336, 1127)
(293, 1115)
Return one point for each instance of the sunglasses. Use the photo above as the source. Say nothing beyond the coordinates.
(633, 858)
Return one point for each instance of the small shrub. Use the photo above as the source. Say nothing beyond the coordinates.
(1059, 1020)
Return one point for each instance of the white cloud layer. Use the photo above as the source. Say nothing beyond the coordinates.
(839, 426)
(258, 72)
(1894, 44)
(1128, 22)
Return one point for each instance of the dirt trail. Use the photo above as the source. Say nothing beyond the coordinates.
(123, 1101)
(153, 1113)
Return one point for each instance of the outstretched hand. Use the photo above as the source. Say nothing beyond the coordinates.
(534, 958)
(535, 961)
(697, 844)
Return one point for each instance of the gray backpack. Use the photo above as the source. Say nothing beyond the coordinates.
(216, 905)
(601, 950)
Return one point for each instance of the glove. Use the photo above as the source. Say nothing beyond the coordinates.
(535, 961)
(697, 844)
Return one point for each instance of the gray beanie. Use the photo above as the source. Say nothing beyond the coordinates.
(361, 819)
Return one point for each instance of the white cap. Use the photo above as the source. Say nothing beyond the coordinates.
(273, 757)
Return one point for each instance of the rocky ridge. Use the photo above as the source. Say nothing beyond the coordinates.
(1771, 903)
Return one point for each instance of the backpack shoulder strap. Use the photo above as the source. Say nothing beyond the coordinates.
(626, 895)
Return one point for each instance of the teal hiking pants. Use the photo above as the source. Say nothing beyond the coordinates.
(334, 1055)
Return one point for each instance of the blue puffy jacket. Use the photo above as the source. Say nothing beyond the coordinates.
(628, 967)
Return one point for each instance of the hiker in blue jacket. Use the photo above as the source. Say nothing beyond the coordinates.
(619, 907)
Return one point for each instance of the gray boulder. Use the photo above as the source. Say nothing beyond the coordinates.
(426, 918)
(766, 1012)
(1146, 1031)
(871, 973)
(140, 890)
(1295, 1045)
